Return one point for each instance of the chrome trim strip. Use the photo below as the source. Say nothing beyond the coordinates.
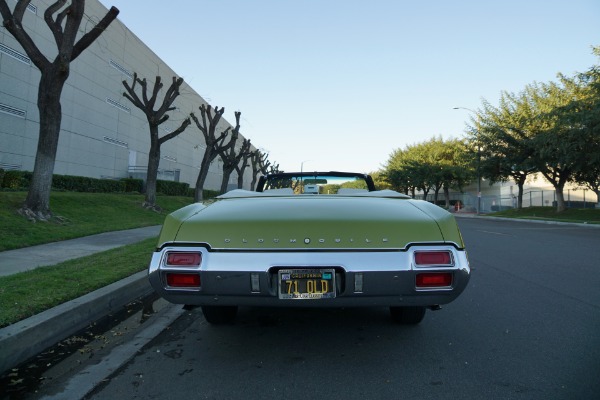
(316, 250)
(254, 261)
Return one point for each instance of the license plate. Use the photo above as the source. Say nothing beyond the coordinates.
(306, 284)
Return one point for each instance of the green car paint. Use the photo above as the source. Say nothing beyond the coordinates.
(174, 220)
(311, 223)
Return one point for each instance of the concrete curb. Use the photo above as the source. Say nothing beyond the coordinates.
(86, 380)
(25, 339)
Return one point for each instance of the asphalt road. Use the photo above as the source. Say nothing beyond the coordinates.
(527, 327)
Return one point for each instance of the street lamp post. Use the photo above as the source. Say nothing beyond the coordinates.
(302, 165)
(301, 177)
(478, 158)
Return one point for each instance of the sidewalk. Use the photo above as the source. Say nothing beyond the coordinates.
(14, 261)
(535, 221)
(26, 338)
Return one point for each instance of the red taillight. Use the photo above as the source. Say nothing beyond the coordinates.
(183, 280)
(184, 259)
(433, 258)
(435, 279)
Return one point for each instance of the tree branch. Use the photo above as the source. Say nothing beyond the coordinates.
(209, 124)
(144, 84)
(157, 87)
(131, 94)
(163, 119)
(13, 23)
(20, 9)
(186, 122)
(74, 13)
(55, 26)
(234, 134)
(171, 95)
(87, 39)
(200, 126)
(221, 139)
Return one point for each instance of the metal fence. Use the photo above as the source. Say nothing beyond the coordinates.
(581, 198)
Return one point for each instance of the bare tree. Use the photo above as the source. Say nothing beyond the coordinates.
(214, 144)
(240, 167)
(155, 118)
(64, 21)
(259, 166)
(274, 169)
(229, 155)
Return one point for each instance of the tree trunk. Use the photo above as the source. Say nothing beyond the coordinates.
(558, 179)
(521, 186)
(203, 173)
(425, 193)
(50, 112)
(199, 192)
(255, 179)
(447, 196)
(152, 171)
(225, 182)
(560, 199)
(520, 197)
(559, 185)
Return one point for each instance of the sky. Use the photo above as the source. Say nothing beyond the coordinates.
(341, 84)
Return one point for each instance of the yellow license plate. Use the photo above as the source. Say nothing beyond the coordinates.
(306, 284)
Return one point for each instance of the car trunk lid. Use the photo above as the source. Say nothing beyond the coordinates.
(311, 222)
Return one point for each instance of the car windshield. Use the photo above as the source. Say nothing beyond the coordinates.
(317, 183)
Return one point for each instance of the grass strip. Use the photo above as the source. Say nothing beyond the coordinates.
(28, 293)
(81, 214)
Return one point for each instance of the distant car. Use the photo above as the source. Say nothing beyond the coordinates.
(342, 244)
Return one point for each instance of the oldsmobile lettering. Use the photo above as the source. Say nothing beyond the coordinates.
(307, 240)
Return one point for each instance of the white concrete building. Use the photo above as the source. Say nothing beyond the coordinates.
(102, 135)
(537, 191)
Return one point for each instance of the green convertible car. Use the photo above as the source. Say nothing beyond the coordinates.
(311, 240)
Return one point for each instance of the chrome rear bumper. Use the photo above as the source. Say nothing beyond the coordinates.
(363, 278)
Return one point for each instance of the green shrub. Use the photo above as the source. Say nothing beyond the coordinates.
(69, 183)
(133, 185)
(20, 180)
(171, 188)
(210, 194)
(85, 184)
(107, 186)
(207, 194)
(16, 179)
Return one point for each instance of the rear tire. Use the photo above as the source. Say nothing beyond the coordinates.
(407, 315)
(219, 315)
